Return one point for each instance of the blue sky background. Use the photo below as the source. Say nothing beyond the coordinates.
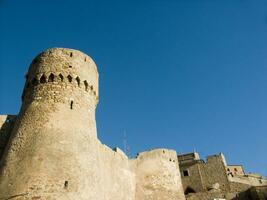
(181, 74)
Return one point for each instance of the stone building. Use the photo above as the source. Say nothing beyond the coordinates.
(214, 179)
(50, 150)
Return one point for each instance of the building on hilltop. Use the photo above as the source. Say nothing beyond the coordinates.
(214, 179)
(50, 150)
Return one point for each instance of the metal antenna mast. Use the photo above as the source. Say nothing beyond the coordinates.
(126, 147)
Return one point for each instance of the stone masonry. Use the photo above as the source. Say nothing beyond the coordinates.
(50, 150)
(214, 179)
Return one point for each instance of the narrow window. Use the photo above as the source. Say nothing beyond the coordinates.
(69, 78)
(85, 59)
(43, 79)
(189, 190)
(66, 184)
(70, 66)
(61, 77)
(71, 54)
(78, 81)
(51, 78)
(71, 105)
(86, 86)
(185, 173)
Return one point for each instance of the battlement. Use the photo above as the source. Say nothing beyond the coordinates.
(169, 155)
(55, 79)
(216, 158)
(54, 142)
(188, 157)
(62, 75)
(158, 171)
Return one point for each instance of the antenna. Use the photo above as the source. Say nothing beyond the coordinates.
(126, 147)
(124, 141)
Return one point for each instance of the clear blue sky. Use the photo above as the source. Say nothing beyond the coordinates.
(181, 74)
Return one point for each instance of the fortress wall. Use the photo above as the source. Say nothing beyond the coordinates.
(6, 125)
(54, 135)
(249, 180)
(239, 187)
(50, 152)
(158, 176)
(259, 193)
(194, 180)
(212, 195)
(66, 62)
(202, 176)
(117, 179)
(61, 74)
(214, 171)
(235, 170)
(53, 151)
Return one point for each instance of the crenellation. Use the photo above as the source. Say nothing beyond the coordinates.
(51, 149)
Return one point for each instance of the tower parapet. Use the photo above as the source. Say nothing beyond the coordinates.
(55, 131)
(58, 74)
(53, 151)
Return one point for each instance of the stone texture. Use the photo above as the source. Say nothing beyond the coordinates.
(158, 176)
(214, 179)
(53, 151)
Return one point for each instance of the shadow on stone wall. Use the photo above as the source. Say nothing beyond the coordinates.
(5, 132)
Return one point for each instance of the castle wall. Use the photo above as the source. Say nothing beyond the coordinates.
(239, 187)
(213, 196)
(259, 193)
(214, 171)
(193, 181)
(53, 137)
(158, 176)
(215, 179)
(235, 170)
(117, 179)
(248, 179)
(53, 152)
(201, 176)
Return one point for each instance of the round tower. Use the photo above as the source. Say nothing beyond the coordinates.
(51, 152)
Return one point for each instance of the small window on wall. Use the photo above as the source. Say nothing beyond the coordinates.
(71, 105)
(186, 173)
(189, 190)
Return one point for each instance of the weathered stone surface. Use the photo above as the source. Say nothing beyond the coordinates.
(53, 151)
(158, 176)
(214, 179)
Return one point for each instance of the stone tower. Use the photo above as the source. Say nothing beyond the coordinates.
(51, 149)
(53, 152)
